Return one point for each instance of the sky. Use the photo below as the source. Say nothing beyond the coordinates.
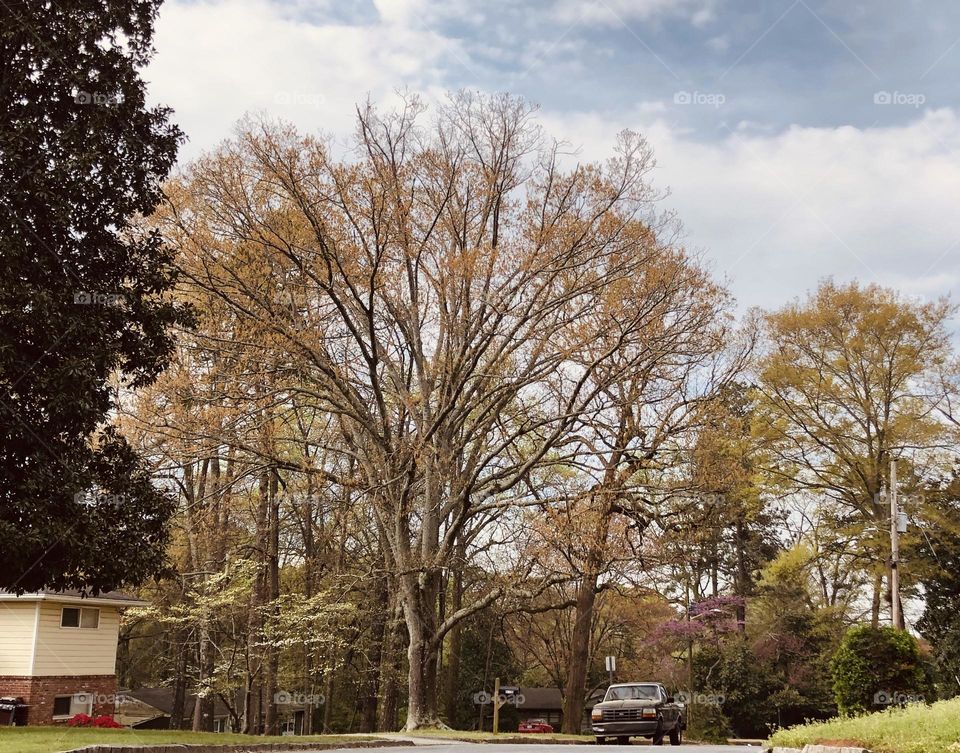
(797, 139)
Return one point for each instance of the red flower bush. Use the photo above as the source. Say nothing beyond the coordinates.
(85, 720)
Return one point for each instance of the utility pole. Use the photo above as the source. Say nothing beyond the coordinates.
(895, 617)
(686, 597)
(496, 705)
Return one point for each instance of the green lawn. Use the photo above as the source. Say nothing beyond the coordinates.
(914, 729)
(55, 739)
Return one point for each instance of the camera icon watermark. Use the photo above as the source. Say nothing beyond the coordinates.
(300, 99)
(99, 499)
(288, 698)
(900, 99)
(699, 699)
(96, 98)
(99, 699)
(702, 99)
(513, 699)
(896, 698)
(86, 298)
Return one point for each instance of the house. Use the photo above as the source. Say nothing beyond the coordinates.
(58, 652)
(152, 708)
(540, 703)
(547, 703)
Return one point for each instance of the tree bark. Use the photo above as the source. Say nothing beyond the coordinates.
(418, 608)
(452, 680)
(179, 684)
(573, 694)
(273, 593)
(371, 682)
(875, 606)
(390, 673)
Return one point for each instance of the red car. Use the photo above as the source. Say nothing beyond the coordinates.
(535, 725)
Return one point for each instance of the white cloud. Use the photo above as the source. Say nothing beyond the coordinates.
(773, 210)
(218, 59)
(616, 12)
(775, 213)
(399, 11)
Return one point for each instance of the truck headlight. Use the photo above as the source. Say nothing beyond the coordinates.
(596, 715)
(649, 713)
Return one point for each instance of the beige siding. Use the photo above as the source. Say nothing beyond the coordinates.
(76, 651)
(16, 637)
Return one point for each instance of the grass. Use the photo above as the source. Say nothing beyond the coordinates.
(56, 739)
(914, 729)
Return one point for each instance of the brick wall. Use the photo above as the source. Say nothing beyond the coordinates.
(39, 692)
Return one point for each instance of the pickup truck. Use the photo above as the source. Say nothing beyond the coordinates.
(638, 709)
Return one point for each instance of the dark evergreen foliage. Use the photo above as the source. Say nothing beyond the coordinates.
(82, 293)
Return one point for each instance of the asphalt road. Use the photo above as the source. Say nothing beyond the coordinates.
(459, 747)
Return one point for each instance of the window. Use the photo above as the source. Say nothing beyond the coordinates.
(632, 693)
(80, 617)
(61, 705)
(66, 706)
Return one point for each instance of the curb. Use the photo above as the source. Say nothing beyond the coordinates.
(810, 748)
(508, 740)
(236, 747)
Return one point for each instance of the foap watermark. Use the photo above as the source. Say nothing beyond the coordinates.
(300, 99)
(483, 698)
(99, 499)
(899, 99)
(700, 699)
(289, 698)
(698, 98)
(100, 699)
(87, 298)
(96, 98)
(896, 698)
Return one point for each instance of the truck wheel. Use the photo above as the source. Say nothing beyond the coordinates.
(623, 740)
(658, 735)
(601, 740)
(676, 734)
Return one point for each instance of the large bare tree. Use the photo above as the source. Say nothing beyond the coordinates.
(459, 304)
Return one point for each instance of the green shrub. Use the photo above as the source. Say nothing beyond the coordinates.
(877, 667)
(708, 724)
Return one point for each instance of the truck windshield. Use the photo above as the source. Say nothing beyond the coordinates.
(633, 693)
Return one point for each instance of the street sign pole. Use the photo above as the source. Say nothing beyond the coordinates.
(611, 667)
(496, 705)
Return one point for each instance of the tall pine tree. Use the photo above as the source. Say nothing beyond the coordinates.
(83, 294)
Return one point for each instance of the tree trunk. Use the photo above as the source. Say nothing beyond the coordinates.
(371, 683)
(179, 685)
(328, 696)
(390, 673)
(573, 694)
(875, 606)
(203, 707)
(452, 682)
(273, 593)
(421, 683)
(419, 598)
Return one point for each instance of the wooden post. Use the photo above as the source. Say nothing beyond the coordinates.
(496, 705)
